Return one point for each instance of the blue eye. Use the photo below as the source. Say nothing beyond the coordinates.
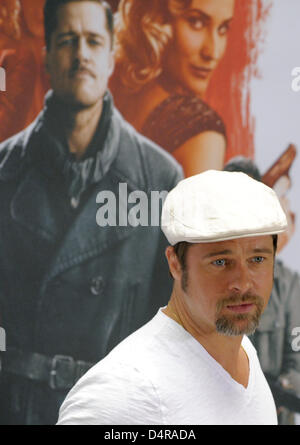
(219, 263)
(258, 259)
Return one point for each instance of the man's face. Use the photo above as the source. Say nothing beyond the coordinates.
(80, 58)
(227, 285)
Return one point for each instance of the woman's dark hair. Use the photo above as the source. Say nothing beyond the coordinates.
(50, 17)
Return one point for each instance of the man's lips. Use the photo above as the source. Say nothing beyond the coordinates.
(81, 73)
(241, 307)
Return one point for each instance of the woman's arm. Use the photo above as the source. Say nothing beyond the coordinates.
(202, 152)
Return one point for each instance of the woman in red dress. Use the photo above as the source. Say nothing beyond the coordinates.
(168, 57)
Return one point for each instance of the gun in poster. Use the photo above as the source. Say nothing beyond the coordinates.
(279, 179)
(277, 175)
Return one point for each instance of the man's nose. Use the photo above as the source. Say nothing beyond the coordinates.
(211, 48)
(82, 50)
(240, 279)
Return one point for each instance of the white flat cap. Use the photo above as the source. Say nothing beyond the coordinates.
(218, 206)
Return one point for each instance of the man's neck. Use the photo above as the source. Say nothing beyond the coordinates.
(81, 127)
(227, 351)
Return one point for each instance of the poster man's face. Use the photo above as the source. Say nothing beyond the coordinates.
(227, 284)
(200, 37)
(80, 59)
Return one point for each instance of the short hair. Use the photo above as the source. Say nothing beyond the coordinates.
(244, 165)
(180, 250)
(50, 17)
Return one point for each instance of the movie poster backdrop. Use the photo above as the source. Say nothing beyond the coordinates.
(244, 92)
(205, 88)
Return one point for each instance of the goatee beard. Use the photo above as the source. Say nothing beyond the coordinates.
(239, 324)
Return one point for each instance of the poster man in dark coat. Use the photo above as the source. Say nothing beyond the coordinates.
(71, 285)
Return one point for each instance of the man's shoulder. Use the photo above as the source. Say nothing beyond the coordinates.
(139, 343)
(144, 351)
(10, 144)
(119, 388)
(144, 159)
(12, 152)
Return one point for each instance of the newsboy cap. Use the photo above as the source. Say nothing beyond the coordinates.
(218, 206)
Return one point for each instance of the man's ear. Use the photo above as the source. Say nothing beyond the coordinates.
(174, 264)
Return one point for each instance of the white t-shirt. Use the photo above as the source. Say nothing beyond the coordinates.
(161, 375)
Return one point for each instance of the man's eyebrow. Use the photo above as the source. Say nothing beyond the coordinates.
(263, 250)
(65, 34)
(73, 33)
(217, 253)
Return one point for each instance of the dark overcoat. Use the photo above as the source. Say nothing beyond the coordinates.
(101, 283)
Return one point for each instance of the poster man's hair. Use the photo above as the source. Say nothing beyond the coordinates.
(50, 17)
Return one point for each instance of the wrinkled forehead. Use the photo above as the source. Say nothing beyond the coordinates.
(245, 246)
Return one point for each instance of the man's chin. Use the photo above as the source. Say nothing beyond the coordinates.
(242, 324)
(81, 100)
